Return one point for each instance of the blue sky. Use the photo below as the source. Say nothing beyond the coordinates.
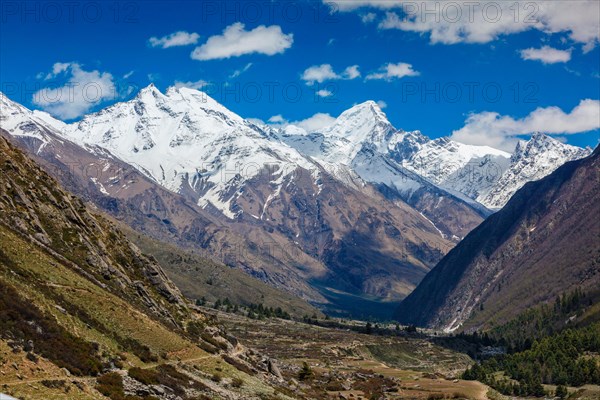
(482, 77)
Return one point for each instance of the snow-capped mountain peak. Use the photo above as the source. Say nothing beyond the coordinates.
(365, 122)
(544, 145)
(186, 141)
(364, 126)
(363, 139)
(11, 113)
(542, 149)
(531, 161)
(196, 99)
(151, 90)
(19, 120)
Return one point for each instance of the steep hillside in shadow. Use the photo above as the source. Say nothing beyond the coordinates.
(544, 242)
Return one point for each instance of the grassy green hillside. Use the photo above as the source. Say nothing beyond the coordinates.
(85, 315)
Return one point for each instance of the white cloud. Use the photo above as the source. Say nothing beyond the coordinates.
(368, 17)
(180, 38)
(128, 75)
(325, 72)
(57, 69)
(324, 93)
(351, 72)
(382, 104)
(393, 71)
(315, 123)
(484, 21)
(547, 55)
(493, 129)
(331, 41)
(351, 5)
(310, 124)
(319, 73)
(277, 119)
(80, 93)
(236, 41)
(199, 84)
(238, 72)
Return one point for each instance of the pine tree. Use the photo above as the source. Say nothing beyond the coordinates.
(561, 392)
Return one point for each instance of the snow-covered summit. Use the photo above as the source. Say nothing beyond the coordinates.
(361, 123)
(19, 120)
(363, 139)
(531, 161)
(185, 140)
(544, 147)
(188, 142)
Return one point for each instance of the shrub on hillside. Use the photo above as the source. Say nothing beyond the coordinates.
(145, 376)
(20, 319)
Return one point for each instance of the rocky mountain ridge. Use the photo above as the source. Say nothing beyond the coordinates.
(542, 244)
(346, 209)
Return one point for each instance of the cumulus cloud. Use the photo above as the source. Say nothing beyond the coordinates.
(315, 123)
(57, 68)
(368, 17)
(277, 119)
(351, 72)
(324, 93)
(319, 73)
(484, 21)
(236, 41)
(311, 124)
(351, 5)
(547, 55)
(175, 39)
(81, 91)
(500, 131)
(199, 84)
(325, 72)
(391, 71)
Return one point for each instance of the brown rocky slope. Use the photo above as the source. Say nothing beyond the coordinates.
(544, 242)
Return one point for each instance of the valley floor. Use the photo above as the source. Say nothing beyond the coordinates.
(348, 364)
(343, 364)
(352, 365)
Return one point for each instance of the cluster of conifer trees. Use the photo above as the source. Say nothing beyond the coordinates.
(253, 311)
(569, 358)
(540, 352)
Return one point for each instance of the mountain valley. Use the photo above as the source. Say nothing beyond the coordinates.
(300, 200)
(235, 281)
(327, 216)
